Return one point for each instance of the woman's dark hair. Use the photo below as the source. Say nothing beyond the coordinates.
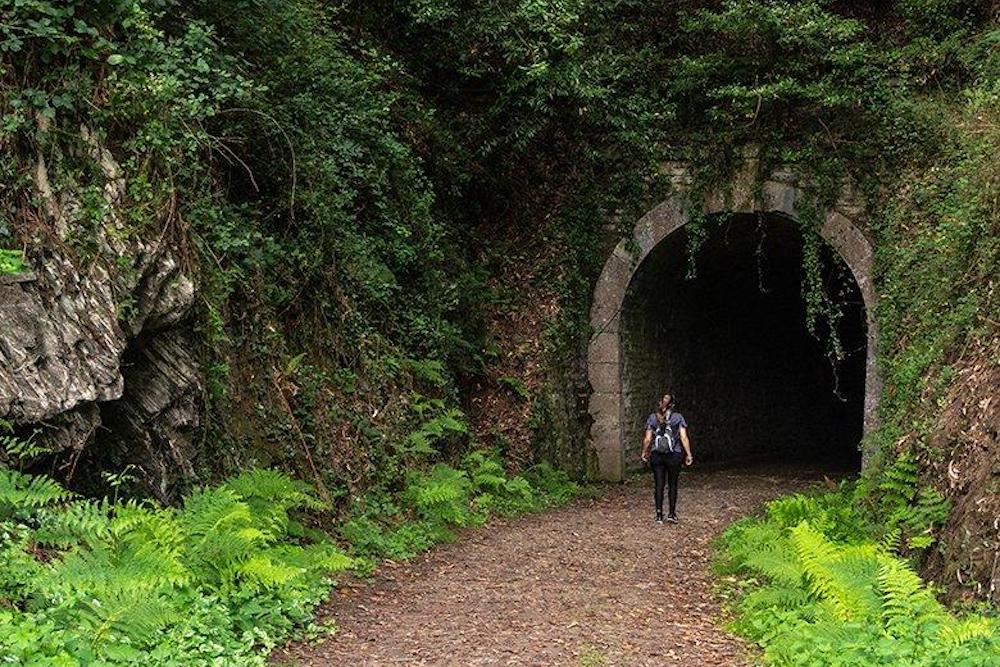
(666, 402)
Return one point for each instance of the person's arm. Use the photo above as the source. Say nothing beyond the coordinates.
(647, 444)
(688, 459)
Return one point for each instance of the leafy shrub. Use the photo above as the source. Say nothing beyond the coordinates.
(820, 594)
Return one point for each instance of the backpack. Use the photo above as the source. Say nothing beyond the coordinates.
(664, 440)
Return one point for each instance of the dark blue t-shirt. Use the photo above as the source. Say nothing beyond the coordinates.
(667, 436)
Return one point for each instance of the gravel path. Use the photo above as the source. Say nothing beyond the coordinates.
(592, 583)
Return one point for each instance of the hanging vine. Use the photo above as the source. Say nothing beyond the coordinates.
(824, 306)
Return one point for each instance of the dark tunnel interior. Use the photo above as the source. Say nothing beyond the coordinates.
(732, 345)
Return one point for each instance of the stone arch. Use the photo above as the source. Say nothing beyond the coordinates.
(780, 195)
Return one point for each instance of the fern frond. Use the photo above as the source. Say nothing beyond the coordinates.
(968, 630)
(271, 495)
(25, 493)
(790, 511)
(841, 576)
(261, 486)
(134, 614)
(322, 557)
(110, 569)
(908, 607)
(261, 572)
(81, 521)
(219, 534)
(442, 495)
(777, 562)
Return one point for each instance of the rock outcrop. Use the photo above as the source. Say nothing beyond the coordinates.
(95, 345)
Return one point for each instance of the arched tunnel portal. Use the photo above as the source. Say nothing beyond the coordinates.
(731, 341)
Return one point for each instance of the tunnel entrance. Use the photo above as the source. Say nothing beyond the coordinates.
(731, 343)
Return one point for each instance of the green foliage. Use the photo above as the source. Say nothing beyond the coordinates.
(441, 495)
(436, 502)
(436, 425)
(17, 449)
(23, 494)
(516, 385)
(130, 583)
(820, 594)
(345, 177)
(835, 514)
(937, 252)
(11, 262)
(910, 512)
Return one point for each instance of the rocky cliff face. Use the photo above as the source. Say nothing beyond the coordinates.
(964, 463)
(95, 350)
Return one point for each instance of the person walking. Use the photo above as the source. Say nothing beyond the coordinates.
(666, 447)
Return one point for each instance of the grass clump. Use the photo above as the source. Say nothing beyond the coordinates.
(813, 589)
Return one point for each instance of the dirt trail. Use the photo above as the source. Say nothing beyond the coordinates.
(592, 583)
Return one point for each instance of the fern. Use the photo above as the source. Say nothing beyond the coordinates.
(321, 558)
(260, 486)
(263, 571)
(792, 510)
(841, 576)
(125, 579)
(135, 614)
(776, 562)
(908, 608)
(817, 601)
(928, 511)
(486, 471)
(21, 449)
(112, 569)
(443, 495)
(77, 522)
(271, 496)
(814, 552)
(906, 505)
(969, 630)
(434, 430)
(496, 492)
(133, 581)
(429, 371)
(23, 494)
(898, 483)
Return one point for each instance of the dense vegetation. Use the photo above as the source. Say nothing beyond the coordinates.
(356, 185)
(225, 577)
(822, 592)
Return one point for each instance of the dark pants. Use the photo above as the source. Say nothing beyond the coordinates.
(666, 468)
